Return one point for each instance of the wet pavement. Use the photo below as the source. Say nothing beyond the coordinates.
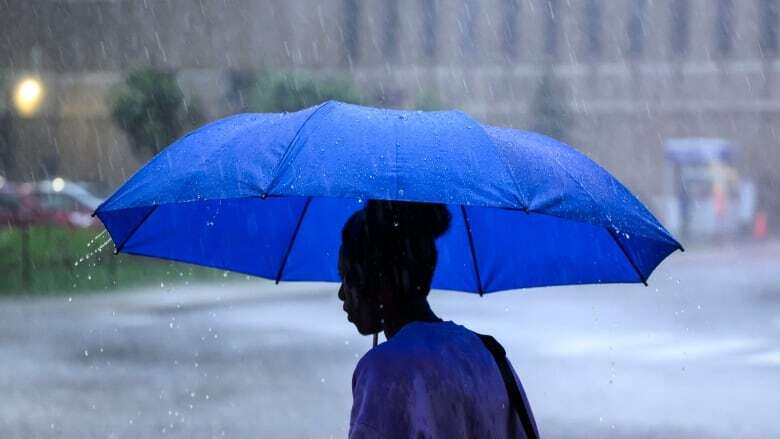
(695, 354)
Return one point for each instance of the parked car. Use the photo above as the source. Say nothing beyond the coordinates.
(66, 203)
(50, 202)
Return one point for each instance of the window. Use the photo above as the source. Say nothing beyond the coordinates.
(59, 202)
(351, 16)
(768, 36)
(724, 27)
(593, 28)
(636, 28)
(551, 19)
(680, 34)
(8, 203)
(430, 28)
(390, 40)
(511, 32)
(469, 29)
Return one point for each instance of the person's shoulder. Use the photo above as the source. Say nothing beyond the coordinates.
(415, 343)
(395, 355)
(387, 355)
(381, 366)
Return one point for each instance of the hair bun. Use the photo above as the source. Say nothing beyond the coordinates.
(424, 219)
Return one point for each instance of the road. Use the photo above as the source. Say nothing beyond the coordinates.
(696, 354)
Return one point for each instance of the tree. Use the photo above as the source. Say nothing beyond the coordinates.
(290, 91)
(152, 110)
(550, 108)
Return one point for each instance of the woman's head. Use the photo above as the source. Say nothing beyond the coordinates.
(388, 254)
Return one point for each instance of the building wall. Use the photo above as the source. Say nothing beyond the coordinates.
(484, 56)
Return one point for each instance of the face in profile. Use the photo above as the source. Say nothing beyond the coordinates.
(361, 306)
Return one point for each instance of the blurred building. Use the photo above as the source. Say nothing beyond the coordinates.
(638, 71)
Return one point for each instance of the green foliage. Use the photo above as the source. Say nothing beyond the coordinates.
(56, 269)
(550, 108)
(152, 110)
(289, 91)
(241, 87)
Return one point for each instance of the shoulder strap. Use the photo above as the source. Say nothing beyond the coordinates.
(515, 398)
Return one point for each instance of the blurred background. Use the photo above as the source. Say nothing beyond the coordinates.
(680, 99)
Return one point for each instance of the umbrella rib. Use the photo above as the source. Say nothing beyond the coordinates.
(287, 151)
(292, 240)
(502, 159)
(625, 253)
(466, 222)
(135, 229)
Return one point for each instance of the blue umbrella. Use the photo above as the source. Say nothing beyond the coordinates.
(267, 195)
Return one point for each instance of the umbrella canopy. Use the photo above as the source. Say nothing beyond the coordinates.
(267, 195)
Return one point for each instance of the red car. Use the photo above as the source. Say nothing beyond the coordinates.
(54, 202)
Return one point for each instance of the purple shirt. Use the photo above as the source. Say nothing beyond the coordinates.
(431, 380)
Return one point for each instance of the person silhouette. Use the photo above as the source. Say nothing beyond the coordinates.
(431, 378)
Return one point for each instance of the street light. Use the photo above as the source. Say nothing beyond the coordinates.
(28, 96)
